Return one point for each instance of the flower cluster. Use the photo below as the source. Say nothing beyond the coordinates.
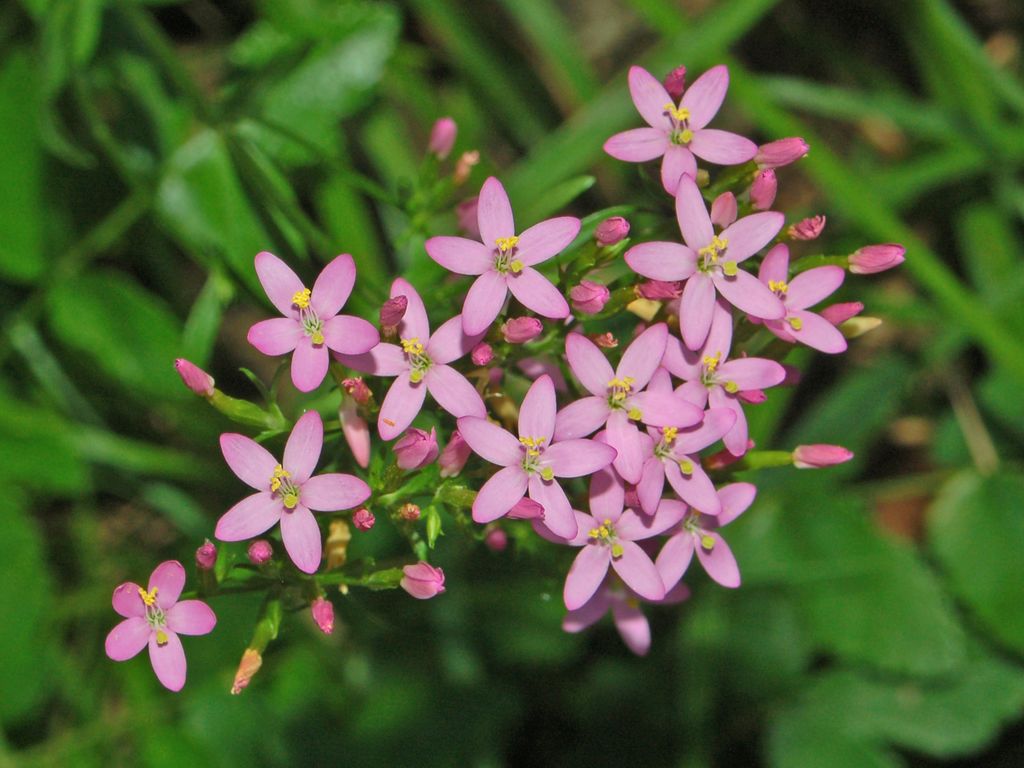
(604, 446)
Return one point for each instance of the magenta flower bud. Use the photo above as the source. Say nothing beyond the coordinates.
(442, 137)
(357, 389)
(496, 540)
(519, 330)
(876, 258)
(675, 83)
(723, 210)
(195, 378)
(260, 552)
(454, 456)
(410, 512)
(808, 229)
(782, 152)
(589, 297)
(659, 290)
(611, 231)
(465, 212)
(752, 396)
(416, 448)
(422, 580)
(323, 614)
(526, 509)
(363, 519)
(206, 556)
(482, 354)
(392, 311)
(837, 314)
(818, 456)
(762, 191)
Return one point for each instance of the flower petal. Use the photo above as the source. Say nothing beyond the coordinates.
(252, 463)
(677, 162)
(585, 576)
(814, 285)
(736, 498)
(651, 487)
(500, 493)
(753, 372)
(276, 336)
(537, 413)
(662, 261)
(450, 342)
(494, 213)
(546, 239)
(650, 98)
(632, 627)
(587, 614)
(696, 309)
(414, 324)
(534, 291)
(722, 147)
(333, 491)
(333, 286)
(168, 579)
(350, 335)
(716, 423)
(577, 458)
(665, 409)
(581, 418)
(626, 440)
(558, 514)
(705, 95)
(746, 292)
(637, 145)
(301, 536)
(681, 362)
(775, 267)
(588, 364)
(128, 638)
(168, 661)
(643, 356)
(817, 332)
(460, 255)
(279, 282)
(607, 494)
(674, 558)
(490, 442)
(302, 451)
(309, 365)
(127, 601)
(736, 438)
(719, 340)
(401, 405)
(692, 214)
(191, 617)
(634, 527)
(483, 302)
(695, 488)
(250, 517)
(750, 234)
(453, 392)
(719, 562)
(382, 360)
(635, 568)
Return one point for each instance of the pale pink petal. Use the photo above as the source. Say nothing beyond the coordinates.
(277, 336)
(191, 617)
(537, 413)
(301, 537)
(333, 286)
(483, 302)
(460, 255)
(660, 381)
(736, 498)
(719, 340)
(633, 627)
(546, 239)
(250, 517)
(814, 285)
(674, 558)
(736, 438)
(696, 309)
(637, 145)
(585, 576)
(625, 438)
(681, 362)
(584, 522)
(279, 281)
(168, 579)
(382, 360)
(817, 332)
(450, 342)
(588, 364)
(401, 405)
(607, 494)
(577, 458)
(722, 147)
(677, 162)
(302, 451)
(752, 372)
(746, 292)
(650, 98)
(491, 442)
(694, 392)
(643, 356)
(633, 527)
(665, 409)
(350, 335)
(309, 365)
(587, 614)
(581, 418)
(128, 638)
(127, 600)
(534, 291)
(453, 392)
(651, 487)
(692, 214)
(635, 568)
(168, 661)
(662, 261)
(775, 267)
(750, 234)
(695, 488)
(499, 494)
(716, 423)
(251, 462)
(558, 514)
(414, 324)
(719, 562)
(333, 491)
(705, 95)
(356, 432)
(494, 213)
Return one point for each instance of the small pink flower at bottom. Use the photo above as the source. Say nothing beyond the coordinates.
(422, 580)
(155, 617)
(286, 491)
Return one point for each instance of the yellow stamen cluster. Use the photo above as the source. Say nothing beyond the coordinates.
(732, 387)
(685, 136)
(533, 445)
(620, 388)
(547, 474)
(707, 542)
(280, 474)
(678, 114)
(778, 286)
(711, 363)
(716, 248)
(506, 244)
(730, 269)
(795, 323)
(301, 298)
(149, 598)
(291, 499)
(516, 266)
(605, 534)
(635, 414)
(668, 434)
(686, 467)
(412, 346)
(317, 337)
(161, 637)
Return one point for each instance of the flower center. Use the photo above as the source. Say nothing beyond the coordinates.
(604, 534)
(281, 484)
(711, 257)
(679, 122)
(693, 525)
(668, 436)
(618, 391)
(419, 361)
(531, 461)
(779, 287)
(504, 256)
(154, 614)
(311, 323)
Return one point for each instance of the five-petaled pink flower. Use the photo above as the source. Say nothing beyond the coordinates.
(420, 365)
(504, 261)
(617, 397)
(286, 492)
(677, 133)
(710, 263)
(311, 324)
(155, 617)
(532, 461)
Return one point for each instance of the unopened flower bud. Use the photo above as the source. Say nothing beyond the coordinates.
(519, 330)
(837, 314)
(611, 231)
(858, 326)
(752, 396)
(422, 580)
(675, 83)
(363, 519)
(454, 456)
(409, 511)
(659, 290)
(323, 614)
(808, 229)
(416, 448)
(723, 210)
(260, 552)
(206, 556)
(782, 152)
(526, 509)
(604, 340)
(464, 166)
(357, 390)
(442, 137)
(496, 540)
(247, 668)
(876, 258)
(392, 311)
(589, 297)
(762, 191)
(482, 354)
(818, 456)
(356, 432)
(195, 378)
(465, 212)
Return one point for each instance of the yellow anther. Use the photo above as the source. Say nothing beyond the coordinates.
(635, 414)
(301, 298)
(620, 388)
(678, 114)
(533, 445)
(708, 542)
(412, 346)
(795, 323)
(617, 550)
(711, 363)
(730, 268)
(603, 532)
(668, 434)
(686, 467)
(607, 522)
(686, 136)
(291, 500)
(593, 533)
(547, 473)
(280, 474)
(516, 267)
(149, 598)
(161, 638)
(317, 337)
(415, 375)
(506, 244)
(778, 286)
(732, 387)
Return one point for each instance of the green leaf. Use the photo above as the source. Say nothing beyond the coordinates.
(976, 531)
(39, 450)
(203, 323)
(552, 200)
(803, 739)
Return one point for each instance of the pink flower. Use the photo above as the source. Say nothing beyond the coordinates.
(872, 259)
(505, 261)
(710, 262)
(260, 552)
(194, 377)
(589, 297)
(617, 397)
(724, 210)
(611, 231)
(820, 455)
(532, 462)
(155, 617)
(420, 365)
(363, 519)
(454, 456)
(807, 229)
(712, 378)
(323, 614)
(782, 152)
(422, 580)
(519, 330)
(311, 324)
(762, 191)
(676, 134)
(286, 492)
(482, 353)
(699, 532)
(206, 556)
(442, 137)
(804, 290)
(416, 449)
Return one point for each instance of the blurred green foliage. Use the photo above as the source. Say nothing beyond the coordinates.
(152, 148)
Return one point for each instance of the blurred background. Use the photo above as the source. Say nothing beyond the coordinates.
(150, 149)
